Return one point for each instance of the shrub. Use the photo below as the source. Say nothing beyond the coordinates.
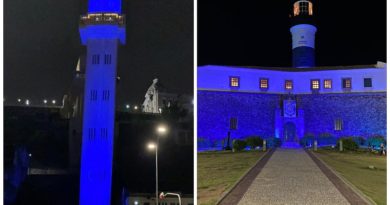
(326, 139)
(307, 140)
(254, 141)
(239, 145)
(348, 144)
(376, 141)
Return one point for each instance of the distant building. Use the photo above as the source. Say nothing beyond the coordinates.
(292, 102)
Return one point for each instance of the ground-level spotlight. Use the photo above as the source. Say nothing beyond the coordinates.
(27, 102)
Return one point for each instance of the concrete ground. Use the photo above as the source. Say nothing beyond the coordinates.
(291, 177)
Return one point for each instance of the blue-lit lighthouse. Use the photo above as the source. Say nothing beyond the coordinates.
(303, 32)
(102, 29)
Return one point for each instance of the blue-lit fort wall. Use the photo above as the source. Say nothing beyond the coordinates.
(363, 115)
(255, 115)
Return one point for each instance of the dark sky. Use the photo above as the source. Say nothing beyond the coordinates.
(257, 32)
(42, 45)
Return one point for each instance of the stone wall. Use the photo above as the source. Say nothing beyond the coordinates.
(363, 114)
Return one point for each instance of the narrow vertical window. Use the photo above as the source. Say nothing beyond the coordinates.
(234, 82)
(95, 59)
(233, 123)
(263, 83)
(328, 84)
(338, 124)
(107, 59)
(288, 84)
(106, 95)
(93, 95)
(367, 82)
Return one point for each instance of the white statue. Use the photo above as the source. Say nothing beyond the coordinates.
(151, 99)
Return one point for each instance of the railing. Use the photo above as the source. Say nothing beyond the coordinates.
(102, 18)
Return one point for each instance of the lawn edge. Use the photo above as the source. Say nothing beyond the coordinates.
(346, 181)
(227, 192)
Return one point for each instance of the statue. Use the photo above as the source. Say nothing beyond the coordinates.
(151, 99)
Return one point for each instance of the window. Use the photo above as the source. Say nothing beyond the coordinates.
(263, 83)
(93, 95)
(91, 133)
(328, 84)
(347, 83)
(367, 82)
(315, 84)
(338, 124)
(103, 133)
(288, 84)
(95, 59)
(303, 7)
(233, 123)
(234, 82)
(106, 95)
(107, 59)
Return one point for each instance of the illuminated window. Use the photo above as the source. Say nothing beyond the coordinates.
(303, 7)
(367, 82)
(263, 83)
(234, 82)
(327, 84)
(338, 124)
(95, 59)
(315, 84)
(347, 83)
(288, 84)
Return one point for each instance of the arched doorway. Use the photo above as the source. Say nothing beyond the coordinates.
(289, 132)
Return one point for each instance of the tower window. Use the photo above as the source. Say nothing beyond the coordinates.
(327, 84)
(95, 59)
(263, 83)
(315, 84)
(304, 7)
(93, 95)
(106, 94)
(347, 83)
(103, 133)
(107, 59)
(338, 124)
(288, 84)
(91, 134)
(234, 82)
(367, 82)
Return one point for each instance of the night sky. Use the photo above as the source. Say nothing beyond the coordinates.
(256, 33)
(42, 46)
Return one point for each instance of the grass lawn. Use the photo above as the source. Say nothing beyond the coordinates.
(218, 171)
(353, 166)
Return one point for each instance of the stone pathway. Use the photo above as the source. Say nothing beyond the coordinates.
(291, 177)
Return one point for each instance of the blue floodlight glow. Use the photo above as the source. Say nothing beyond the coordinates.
(104, 6)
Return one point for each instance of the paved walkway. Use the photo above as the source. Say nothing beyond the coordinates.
(291, 177)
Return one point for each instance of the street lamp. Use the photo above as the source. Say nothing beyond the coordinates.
(27, 102)
(161, 130)
(136, 107)
(127, 106)
(53, 101)
(45, 101)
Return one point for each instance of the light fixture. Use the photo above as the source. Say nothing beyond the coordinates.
(161, 129)
(151, 146)
(53, 101)
(136, 107)
(127, 106)
(45, 101)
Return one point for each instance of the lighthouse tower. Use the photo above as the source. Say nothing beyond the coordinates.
(102, 29)
(303, 33)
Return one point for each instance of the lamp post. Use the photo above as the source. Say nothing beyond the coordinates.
(161, 130)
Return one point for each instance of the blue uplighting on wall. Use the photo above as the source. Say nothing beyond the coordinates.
(104, 6)
(363, 114)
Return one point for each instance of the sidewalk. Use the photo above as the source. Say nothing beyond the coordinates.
(291, 177)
